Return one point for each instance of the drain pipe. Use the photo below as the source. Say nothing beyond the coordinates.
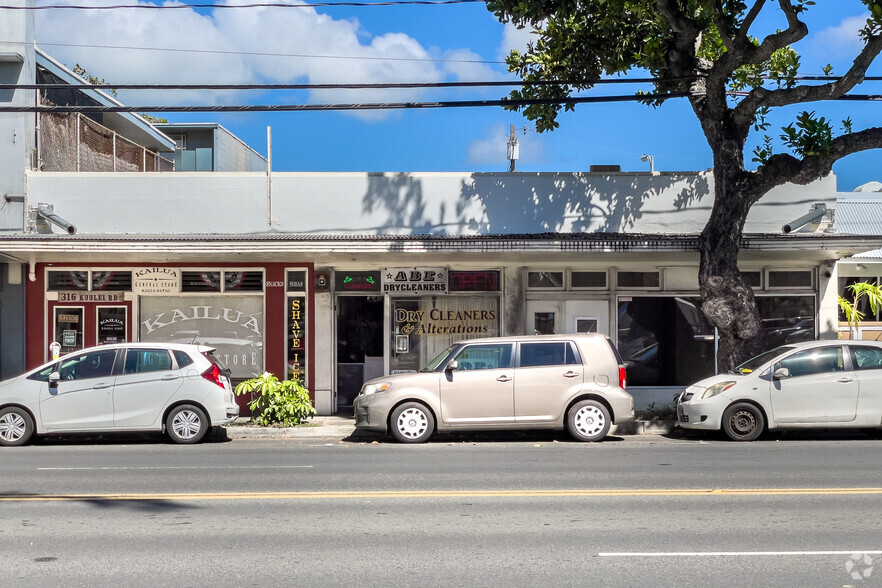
(47, 214)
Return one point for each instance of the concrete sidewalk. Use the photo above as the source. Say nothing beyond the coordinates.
(342, 427)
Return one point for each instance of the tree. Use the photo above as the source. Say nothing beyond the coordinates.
(860, 290)
(702, 49)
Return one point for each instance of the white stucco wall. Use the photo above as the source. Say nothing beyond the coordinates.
(404, 203)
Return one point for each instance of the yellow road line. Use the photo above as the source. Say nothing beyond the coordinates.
(574, 493)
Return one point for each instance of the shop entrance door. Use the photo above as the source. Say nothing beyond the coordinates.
(359, 345)
(544, 318)
(76, 325)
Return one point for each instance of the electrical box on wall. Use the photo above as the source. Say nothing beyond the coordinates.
(322, 282)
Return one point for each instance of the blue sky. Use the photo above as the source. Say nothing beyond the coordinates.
(411, 44)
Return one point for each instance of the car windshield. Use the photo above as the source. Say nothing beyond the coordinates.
(433, 365)
(757, 362)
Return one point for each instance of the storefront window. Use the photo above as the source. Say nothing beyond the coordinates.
(112, 280)
(112, 324)
(863, 305)
(200, 281)
(67, 280)
(423, 327)
(667, 341)
(231, 324)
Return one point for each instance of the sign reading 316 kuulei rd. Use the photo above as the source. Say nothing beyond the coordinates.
(156, 281)
(414, 280)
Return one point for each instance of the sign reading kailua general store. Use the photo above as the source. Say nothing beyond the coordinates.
(414, 280)
(156, 281)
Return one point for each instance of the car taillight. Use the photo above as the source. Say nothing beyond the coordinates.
(623, 378)
(213, 375)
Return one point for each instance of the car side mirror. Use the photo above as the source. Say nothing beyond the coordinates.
(781, 374)
(453, 365)
(54, 378)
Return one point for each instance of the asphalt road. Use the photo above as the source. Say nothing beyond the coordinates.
(518, 510)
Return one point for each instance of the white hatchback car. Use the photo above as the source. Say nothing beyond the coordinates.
(814, 384)
(181, 389)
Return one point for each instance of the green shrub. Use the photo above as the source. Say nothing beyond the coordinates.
(278, 402)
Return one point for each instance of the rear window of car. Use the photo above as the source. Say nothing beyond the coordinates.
(147, 360)
(866, 358)
(548, 354)
(183, 358)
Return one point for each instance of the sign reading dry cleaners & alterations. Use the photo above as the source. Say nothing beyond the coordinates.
(405, 281)
(156, 281)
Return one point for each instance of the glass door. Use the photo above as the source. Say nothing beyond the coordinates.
(359, 345)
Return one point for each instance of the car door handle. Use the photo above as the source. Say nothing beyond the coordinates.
(102, 385)
(503, 379)
(570, 374)
(170, 377)
(845, 380)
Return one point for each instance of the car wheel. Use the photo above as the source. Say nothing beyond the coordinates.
(412, 422)
(186, 424)
(16, 426)
(743, 422)
(588, 420)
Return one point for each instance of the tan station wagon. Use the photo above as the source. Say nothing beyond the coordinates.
(572, 382)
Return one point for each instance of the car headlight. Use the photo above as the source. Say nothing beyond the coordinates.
(717, 388)
(373, 388)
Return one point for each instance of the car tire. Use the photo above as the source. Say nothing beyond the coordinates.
(186, 424)
(412, 422)
(743, 422)
(588, 420)
(16, 426)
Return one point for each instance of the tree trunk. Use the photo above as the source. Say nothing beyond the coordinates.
(726, 300)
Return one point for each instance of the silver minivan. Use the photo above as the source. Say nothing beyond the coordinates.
(572, 382)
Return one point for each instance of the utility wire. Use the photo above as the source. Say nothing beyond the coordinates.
(380, 105)
(258, 5)
(328, 107)
(263, 54)
(352, 86)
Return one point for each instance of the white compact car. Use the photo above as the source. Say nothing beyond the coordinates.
(181, 389)
(814, 384)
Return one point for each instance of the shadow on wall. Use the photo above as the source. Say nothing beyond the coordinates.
(528, 203)
(578, 203)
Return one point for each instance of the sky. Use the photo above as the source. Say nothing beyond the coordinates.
(425, 43)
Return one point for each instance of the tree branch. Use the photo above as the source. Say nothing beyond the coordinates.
(784, 168)
(761, 97)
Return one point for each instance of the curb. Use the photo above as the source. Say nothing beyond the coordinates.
(345, 431)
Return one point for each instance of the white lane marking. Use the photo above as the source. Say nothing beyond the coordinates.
(276, 467)
(735, 553)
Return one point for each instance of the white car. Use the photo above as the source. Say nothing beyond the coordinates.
(813, 384)
(180, 389)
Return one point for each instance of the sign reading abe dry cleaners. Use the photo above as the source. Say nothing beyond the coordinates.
(156, 281)
(414, 280)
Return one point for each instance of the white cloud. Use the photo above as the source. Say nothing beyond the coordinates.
(241, 46)
(492, 148)
(515, 38)
(842, 39)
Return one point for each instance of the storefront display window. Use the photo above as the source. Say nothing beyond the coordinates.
(423, 327)
(667, 341)
(232, 324)
(112, 325)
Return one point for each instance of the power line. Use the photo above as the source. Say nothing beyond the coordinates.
(380, 105)
(351, 86)
(256, 5)
(263, 54)
(353, 106)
